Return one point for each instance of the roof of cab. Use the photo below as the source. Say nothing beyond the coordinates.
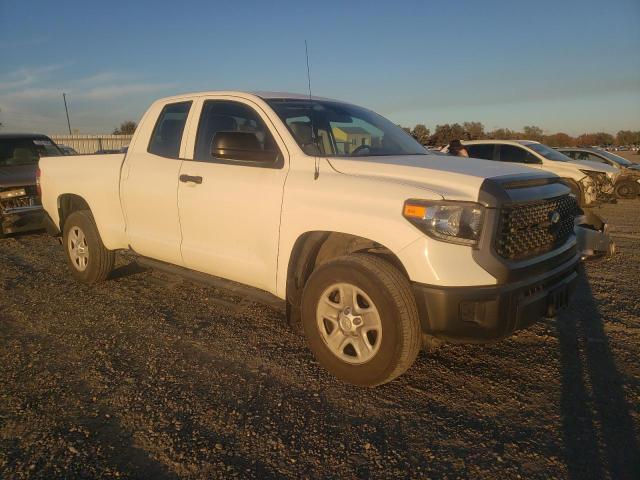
(264, 95)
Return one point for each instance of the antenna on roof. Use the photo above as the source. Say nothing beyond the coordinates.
(306, 54)
(316, 173)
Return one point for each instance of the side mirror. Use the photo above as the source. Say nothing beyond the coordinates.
(241, 146)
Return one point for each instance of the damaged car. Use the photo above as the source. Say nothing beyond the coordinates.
(20, 205)
(592, 184)
(627, 183)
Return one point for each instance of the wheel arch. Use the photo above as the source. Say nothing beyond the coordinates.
(69, 203)
(315, 248)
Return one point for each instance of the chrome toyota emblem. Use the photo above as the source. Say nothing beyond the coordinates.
(554, 217)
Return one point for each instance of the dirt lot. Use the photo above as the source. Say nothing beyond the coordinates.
(149, 376)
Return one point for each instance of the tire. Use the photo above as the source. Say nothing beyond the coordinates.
(88, 258)
(626, 190)
(387, 336)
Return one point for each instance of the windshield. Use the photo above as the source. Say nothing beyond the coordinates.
(26, 151)
(615, 158)
(548, 153)
(336, 129)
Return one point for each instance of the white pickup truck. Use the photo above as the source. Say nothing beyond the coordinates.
(374, 245)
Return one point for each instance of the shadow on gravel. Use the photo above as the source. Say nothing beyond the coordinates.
(133, 460)
(28, 233)
(598, 429)
(127, 270)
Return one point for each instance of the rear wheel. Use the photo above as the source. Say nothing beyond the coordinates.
(89, 259)
(360, 319)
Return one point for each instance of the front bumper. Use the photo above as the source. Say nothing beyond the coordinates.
(487, 313)
(592, 234)
(23, 219)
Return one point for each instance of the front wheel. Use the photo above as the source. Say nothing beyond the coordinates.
(89, 259)
(626, 190)
(360, 319)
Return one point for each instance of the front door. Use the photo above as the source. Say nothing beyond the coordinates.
(230, 207)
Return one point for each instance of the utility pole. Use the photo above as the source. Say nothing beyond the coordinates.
(64, 97)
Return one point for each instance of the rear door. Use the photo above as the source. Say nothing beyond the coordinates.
(230, 207)
(150, 183)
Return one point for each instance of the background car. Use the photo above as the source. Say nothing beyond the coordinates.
(627, 184)
(107, 151)
(20, 205)
(67, 150)
(591, 183)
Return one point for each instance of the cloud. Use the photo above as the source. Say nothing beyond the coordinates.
(24, 77)
(29, 94)
(109, 92)
(31, 99)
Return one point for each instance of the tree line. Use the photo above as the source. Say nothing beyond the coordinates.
(443, 134)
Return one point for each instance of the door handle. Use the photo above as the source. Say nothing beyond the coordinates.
(190, 178)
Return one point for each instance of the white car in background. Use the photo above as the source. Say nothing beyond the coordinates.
(627, 184)
(591, 183)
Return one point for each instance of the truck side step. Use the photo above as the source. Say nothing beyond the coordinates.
(255, 294)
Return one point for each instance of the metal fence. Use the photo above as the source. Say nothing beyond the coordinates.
(92, 143)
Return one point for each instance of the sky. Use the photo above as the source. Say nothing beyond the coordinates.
(571, 66)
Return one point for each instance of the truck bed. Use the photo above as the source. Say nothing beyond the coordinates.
(95, 179)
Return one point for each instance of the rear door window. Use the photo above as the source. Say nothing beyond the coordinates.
(484, 151)
(510, 153)
(167, 134)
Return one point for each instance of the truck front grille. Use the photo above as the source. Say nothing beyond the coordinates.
(533, 228)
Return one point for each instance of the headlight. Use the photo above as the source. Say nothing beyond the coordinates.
(599, 176)
(453, 222)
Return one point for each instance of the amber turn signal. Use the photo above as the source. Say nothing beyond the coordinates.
(414, 211)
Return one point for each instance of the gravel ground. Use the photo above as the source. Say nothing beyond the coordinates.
(150, 376)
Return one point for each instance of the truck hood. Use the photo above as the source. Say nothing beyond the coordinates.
(18, 175)
(453, 178)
